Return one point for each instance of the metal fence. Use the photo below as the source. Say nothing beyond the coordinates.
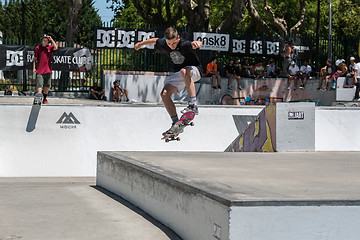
(148, 60)
(61, 81)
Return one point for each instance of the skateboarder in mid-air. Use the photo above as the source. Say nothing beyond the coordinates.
(43, 56)
(186, 66)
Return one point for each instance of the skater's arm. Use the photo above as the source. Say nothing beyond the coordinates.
(196, 44)
(34, 65)
(355, 75)
(53, 43)
(150, 41)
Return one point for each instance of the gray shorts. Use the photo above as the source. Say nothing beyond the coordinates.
(176, 79)
(43, 80)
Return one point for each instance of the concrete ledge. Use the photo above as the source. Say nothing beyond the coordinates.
(240, 196)
(178, 205)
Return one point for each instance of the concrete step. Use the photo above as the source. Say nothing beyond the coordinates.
(257, 196)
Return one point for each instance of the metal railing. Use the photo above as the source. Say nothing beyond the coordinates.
(149, 60)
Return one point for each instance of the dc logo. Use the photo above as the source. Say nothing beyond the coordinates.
(105, 38)
(142, 36)
(14, 58)
(239, 46)
(272, 48)
(256, 47)
(126, 39)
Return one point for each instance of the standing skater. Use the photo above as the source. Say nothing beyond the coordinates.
(43, 56)
(186, 66)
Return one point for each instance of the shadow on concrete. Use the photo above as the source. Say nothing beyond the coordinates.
(33, 118)
(171, 234)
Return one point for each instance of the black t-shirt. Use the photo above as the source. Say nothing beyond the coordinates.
(230, 69)
(182, 56)
(330, 70)
(351, 68)
(237, 70)
(96, 89)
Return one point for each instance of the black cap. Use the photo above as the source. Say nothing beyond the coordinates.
(44, 36)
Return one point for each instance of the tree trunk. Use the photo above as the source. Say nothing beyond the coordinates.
(73, 12)
(72, 29)
(236, 16)
(197, 15)
(279, 23)
(297, 26)
(257, 18)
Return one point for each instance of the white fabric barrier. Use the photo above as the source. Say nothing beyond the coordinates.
(141, 86)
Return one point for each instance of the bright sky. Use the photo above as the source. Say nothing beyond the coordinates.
(105, 14)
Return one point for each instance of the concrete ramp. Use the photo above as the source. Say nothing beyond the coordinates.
(242, 196)
(62, 140)
(280, 127)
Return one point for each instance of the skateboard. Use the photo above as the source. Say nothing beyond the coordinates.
(178, 127)
(38, 99)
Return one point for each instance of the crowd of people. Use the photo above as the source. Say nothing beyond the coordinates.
(297, 75)
(258, 71)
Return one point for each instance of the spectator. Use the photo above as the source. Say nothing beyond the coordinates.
(341, 72)
(96, 92)
(351, 72)
(43, 56)
(272, 70)
(259, 70)
(236, 75)
(326, 73)
(118, 93)
(304, 74)
(247, 69)
(293, 72)
(294, 52)
(287, 57)
(211, 71)
(357, 80)
(230, 72)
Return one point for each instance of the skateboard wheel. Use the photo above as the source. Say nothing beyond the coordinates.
(167, 140)
(192, 124)
(178, 139)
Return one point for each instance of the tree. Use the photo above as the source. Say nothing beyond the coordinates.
(156, 12)
(280, 23)
(88, 19)
(75, 22)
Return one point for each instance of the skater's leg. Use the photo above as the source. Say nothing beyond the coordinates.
(126, 94)
(186, 74)
(166, 94)
(218, 79)
(39, 83)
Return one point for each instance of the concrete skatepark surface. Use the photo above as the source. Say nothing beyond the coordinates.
(64, 207)
(71, 208)
(241, 196)
(260, 178)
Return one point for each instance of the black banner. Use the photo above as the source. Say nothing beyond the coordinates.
(242, 45)
(63, 59)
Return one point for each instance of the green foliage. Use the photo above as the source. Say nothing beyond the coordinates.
(88, 19)
(346, 19)
(43, 16)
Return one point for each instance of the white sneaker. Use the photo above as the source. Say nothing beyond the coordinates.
(191, 108)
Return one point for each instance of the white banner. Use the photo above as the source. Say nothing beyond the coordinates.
(213, 41)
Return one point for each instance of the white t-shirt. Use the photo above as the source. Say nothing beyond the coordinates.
(293, 70)
(305, 69)
(357, 67)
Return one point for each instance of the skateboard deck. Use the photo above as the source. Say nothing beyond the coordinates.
(38, 99)
(184, 121)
